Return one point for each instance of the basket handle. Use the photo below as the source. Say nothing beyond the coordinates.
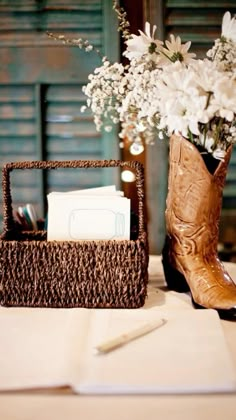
(8, 221)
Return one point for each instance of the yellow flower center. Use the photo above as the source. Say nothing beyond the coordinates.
(152, 48)
(177, 56)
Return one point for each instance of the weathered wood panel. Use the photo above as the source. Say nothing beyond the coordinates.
(40, 88)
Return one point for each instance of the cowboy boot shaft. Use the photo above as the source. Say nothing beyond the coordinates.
(194, 198)
(192, 220)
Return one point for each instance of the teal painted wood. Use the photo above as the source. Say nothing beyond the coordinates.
(45, 64)
(49, 125)
(17, 122)
(200, 3)
(111, 49)
(201, 28)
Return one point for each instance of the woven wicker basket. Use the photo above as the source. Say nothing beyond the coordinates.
(37, 273)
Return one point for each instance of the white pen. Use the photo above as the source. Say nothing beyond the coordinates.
(120, 340)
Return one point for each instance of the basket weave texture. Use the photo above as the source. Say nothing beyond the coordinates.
(92, 274)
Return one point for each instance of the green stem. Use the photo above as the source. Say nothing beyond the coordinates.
(190, 134)
(165, 55)
(206, 128)
(124, 24)
(209, 94)
(218, 131)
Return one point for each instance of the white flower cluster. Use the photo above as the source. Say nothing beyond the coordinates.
(224, 54)
(164, 89)
(105, 91)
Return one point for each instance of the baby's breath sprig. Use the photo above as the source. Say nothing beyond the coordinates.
(77, 42)
(124, 24)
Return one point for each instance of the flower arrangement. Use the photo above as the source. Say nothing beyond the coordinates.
(165, 89)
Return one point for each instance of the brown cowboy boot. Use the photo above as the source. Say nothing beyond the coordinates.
(193, 209)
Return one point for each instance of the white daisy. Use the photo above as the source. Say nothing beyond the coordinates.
(224, 97)
(145, 43)
(176, 51)
(206, 74)
(229, 27)
(207, 141)
(219, 153)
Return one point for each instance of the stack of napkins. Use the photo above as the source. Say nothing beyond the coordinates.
(92, 214)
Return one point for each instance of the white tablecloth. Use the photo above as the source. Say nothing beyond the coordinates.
(62, 405)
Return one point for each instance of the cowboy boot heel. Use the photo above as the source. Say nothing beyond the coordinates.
(227, 314)
(174, 279)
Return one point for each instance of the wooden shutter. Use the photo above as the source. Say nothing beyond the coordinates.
(41, 96)
(196, 21)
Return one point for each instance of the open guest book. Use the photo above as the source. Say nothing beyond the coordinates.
(44, 348)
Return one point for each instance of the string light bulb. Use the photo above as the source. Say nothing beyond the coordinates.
(127, 176)
(136, 149)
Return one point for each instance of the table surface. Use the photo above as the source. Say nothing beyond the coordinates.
(61, 404)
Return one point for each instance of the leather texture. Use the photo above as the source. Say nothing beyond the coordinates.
(192, 220)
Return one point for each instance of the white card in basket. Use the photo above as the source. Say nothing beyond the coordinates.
(93, 215)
